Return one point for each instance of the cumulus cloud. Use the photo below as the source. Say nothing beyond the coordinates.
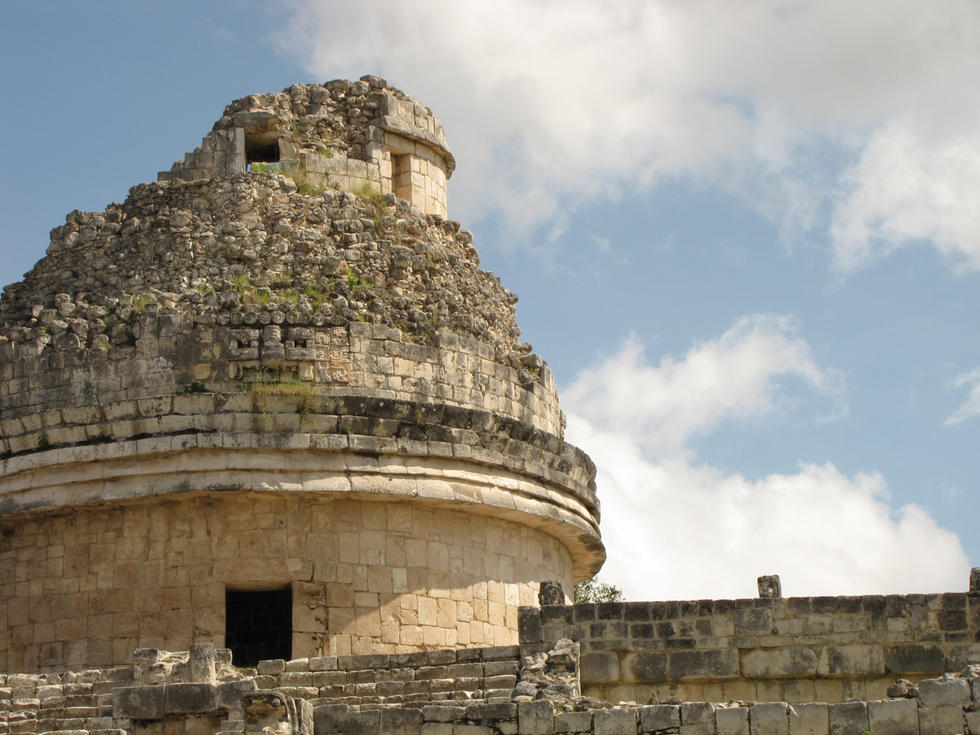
(742, 373)
(798, 108)
(909, 186)
(676, 527)
(971, 408)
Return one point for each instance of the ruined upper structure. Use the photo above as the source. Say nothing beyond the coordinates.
(280, 409)
(350, 136)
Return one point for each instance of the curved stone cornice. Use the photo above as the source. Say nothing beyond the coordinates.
(336, 465)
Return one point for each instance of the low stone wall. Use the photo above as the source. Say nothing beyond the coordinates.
(944, 707)
(168, 694)
(71, 401)
(794, 649)
(77, 702)
(366, 682)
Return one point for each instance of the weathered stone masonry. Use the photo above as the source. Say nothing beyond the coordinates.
(279, 375)
(346, 135)
(445, 692)
(235, 381)
(797, 649)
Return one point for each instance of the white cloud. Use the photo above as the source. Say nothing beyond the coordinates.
(555, 102)
(909, 186)
(971, 408)
(743, 373)
(677, 528)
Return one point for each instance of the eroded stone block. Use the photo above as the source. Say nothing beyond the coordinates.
(656, 717)
(697, 718)
(774, 663)
(753, 620)
(600, 667)
(939, 692)
(535, 718)
(941, 720)
(769, 718)
(851, 660)
(645, 667)
(614, 721)
(573, 722)
(914, 659)
(139, 703)
(709, 664)
(401, 721)
(848, 718)
(732, 721)
(230, 692)
(330, 718)
(191, 698)
(893, 717)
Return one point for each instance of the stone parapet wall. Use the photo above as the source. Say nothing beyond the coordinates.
(794, 649)
(945, 707)
(83, 390)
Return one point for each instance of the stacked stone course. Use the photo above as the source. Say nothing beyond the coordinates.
(462, 675)
(795, 649)
(199, 693)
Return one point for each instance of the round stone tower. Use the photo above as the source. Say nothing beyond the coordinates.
(272, 402)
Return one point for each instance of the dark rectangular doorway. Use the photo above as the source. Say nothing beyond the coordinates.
(259, 625)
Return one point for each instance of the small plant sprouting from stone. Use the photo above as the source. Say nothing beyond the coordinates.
(42, 442)
(315, 295)
(241, 283)
(192, 388)
(267, 388)
(299, 177)
(249, 293)
(139, 301)
(354, 282)
(592, 590)
(370, 194)
(265, 168)
(303, 184)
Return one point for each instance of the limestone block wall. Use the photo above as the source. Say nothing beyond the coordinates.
(87, 586)
(795, 649)
(944, 707)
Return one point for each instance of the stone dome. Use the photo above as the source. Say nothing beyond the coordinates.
(260, 388)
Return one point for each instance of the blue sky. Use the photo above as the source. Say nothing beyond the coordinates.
(746, 238)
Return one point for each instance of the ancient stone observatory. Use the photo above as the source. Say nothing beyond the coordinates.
(243, 410)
